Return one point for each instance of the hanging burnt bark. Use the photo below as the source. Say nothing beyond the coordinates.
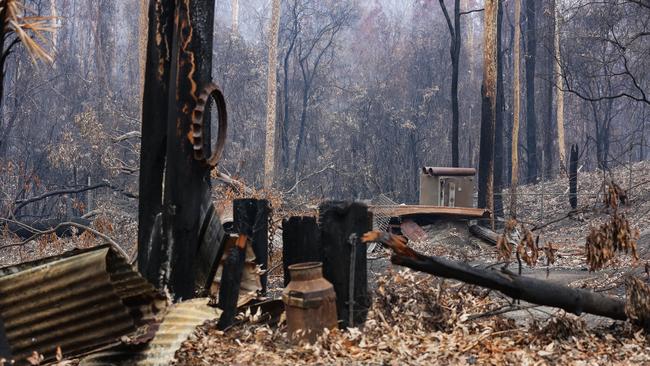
(187, 187)
(300, 243)
(251, 218)
(341, 226)
(154, 130)
(573, 177)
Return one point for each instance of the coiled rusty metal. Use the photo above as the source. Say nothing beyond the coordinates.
(196, 130)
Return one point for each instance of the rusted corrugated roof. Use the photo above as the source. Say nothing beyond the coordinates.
(179, 323)
(446, 171)
(456, 212)
(77, 301)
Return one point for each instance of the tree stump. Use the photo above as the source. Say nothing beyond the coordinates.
(573, 177)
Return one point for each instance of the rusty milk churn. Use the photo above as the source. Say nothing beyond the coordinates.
(310, 302)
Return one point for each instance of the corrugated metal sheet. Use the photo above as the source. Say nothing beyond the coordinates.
(77, 301)
(179, 323)
(448, 171)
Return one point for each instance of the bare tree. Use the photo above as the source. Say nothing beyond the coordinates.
(531, 117)
(269, 159)
(516, 95)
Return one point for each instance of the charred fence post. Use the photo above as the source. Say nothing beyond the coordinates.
(251, 217)
(342, 224)
(231, 276)
(573, 177)
(300, 243)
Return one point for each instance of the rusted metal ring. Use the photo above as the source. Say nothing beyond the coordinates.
(196, 130)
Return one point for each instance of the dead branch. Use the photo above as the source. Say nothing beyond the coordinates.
(128, 135)
(24, 202)
(38, 233)
(234, 183)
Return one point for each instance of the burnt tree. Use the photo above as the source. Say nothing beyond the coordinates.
(531, 118)
(488, 108)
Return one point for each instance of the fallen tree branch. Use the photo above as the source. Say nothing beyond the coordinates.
(234, 183)
(532, 290)
(24, 202)
(38, 233)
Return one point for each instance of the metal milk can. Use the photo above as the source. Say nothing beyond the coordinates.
(310, 302)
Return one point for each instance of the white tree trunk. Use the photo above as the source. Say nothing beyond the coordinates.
(234, 8)
(269, 159)
(560, 93)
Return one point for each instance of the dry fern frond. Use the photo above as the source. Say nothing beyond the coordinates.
(610, 237)
(637, 304)
(15, 19)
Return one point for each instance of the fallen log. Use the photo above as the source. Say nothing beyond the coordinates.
(576, 301)
(484, 233)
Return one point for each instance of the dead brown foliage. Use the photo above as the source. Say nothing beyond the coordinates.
(637, 305)
(611, 237)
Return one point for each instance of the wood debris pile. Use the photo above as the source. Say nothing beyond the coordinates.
(418, 319)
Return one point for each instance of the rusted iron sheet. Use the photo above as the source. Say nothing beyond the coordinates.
(455, 212)
(77, 301)
(179, 323)
(457, 172)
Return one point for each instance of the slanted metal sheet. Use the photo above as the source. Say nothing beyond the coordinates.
(448, 171)
(78, 301)
(179, 323)
(455, 212)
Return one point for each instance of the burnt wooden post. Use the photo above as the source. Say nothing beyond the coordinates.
(300, 242)
(573, 177)
(342, 224)
(179, 64)
(251, 218)
(154, 130)
(233, 268)
(187, 181)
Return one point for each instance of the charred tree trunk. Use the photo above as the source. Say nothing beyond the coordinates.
(549, 61)
(498, 132)
(154, 131)
(488, 108)
(573, 177)
(342, 224)
(300, 243)
(187, 181)
(516, 111)
(251, 218)
(531, 118)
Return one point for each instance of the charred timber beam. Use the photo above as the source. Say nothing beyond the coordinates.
(155, 99)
